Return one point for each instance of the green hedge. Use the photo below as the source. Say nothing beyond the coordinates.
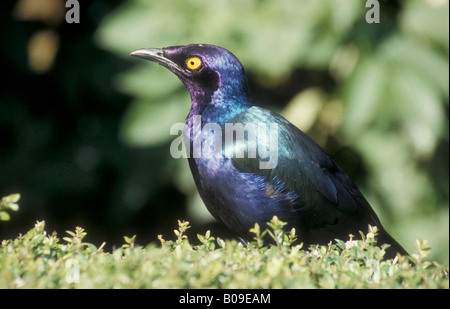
(38, 259)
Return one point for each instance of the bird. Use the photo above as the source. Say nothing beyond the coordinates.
(246, 180)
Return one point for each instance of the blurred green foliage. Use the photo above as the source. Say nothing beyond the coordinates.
(377, 98)
(84, 127)
(59, 123)
(8, 203)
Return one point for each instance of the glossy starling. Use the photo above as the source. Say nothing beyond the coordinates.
(266, 166)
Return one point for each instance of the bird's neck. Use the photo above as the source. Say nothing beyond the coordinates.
(221, 105)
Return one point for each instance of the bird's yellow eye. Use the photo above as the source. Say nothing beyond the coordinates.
(194, 63)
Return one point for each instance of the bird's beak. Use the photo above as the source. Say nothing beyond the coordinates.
(157, 55)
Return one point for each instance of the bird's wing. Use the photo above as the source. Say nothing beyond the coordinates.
(323, 193)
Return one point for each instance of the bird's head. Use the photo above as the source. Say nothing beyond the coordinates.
(208, 71)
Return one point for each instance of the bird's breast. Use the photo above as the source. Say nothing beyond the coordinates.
(237, 199)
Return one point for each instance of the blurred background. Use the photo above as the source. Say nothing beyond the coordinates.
(84, 127)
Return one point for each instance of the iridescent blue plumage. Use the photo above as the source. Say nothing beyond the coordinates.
(304, 187)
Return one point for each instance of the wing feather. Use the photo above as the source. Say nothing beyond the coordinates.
(303, 169)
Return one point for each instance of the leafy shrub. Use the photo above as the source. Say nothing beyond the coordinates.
(38, 259)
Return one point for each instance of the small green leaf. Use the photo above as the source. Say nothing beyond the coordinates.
(4, 216)
(8, 203)
(201, 238)
(220, 242)
(71, 233)
(255, 230)
(129, 240)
